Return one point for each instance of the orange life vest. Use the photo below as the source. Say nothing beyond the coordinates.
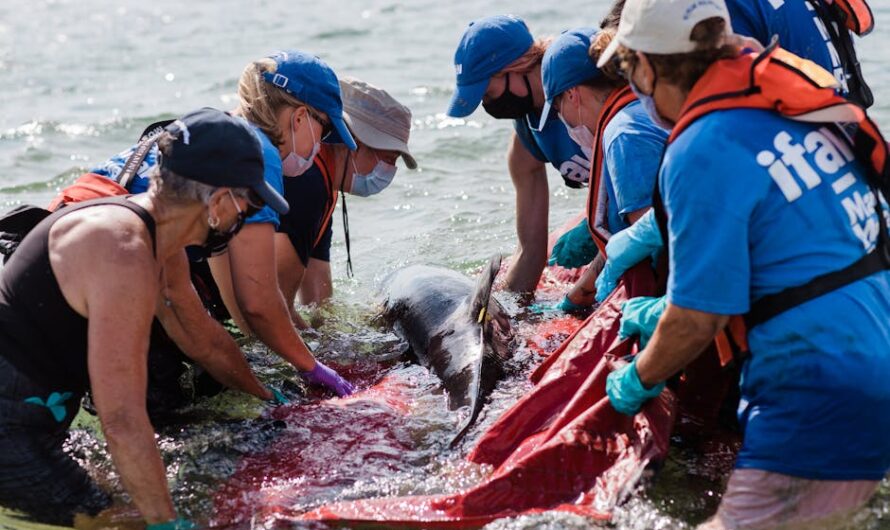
(87, 186)
(800, 90)
(860, 19)
(596, 217)
(325, 161)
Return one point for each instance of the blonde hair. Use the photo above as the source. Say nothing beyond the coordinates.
(611, 70)
(261, 101)
(530, 59)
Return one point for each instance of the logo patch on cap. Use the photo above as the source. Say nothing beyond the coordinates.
(184, 130)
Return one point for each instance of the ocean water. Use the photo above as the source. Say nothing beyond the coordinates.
(79, 79)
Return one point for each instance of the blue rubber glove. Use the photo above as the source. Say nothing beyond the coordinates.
(565, 306)
(625, 390)
(639, 316)
(278, 397)
(627, 248)
(177, 524)
(574, 249)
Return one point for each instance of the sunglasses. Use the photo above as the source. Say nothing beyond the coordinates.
(326, 127)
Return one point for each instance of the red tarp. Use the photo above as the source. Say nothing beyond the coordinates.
(561, 447)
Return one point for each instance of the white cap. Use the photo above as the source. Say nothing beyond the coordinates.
(662, 26)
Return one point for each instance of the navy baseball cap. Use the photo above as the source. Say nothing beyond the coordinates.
(217, 149)
(566, 63)
(488, 45)
(312, 81)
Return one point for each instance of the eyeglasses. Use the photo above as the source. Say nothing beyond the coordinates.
(326, 127)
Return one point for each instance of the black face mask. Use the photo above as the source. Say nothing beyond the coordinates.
(217, 241)
(510, 106)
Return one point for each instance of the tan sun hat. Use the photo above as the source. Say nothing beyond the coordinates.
(376, 119)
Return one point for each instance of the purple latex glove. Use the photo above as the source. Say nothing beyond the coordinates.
(324, 376)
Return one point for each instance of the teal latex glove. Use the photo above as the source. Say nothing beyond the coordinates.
(574, 249)
(627, 248)
(177, 524)
(639, 316)
(625, 390)
(565, 306)
(280, 399)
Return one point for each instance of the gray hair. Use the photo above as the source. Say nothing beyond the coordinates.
(175, 187)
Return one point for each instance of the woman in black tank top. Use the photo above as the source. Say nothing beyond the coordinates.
(76, 304)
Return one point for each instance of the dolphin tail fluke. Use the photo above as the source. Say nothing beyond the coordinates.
(478, 313)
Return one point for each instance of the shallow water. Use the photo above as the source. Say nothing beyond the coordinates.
(79, 79)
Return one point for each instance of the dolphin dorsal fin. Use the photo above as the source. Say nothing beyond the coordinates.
(482, 292)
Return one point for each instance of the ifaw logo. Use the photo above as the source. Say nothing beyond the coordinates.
(458, 69)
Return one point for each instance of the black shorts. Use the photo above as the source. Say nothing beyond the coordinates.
(308, 198)
(37, 476)
(322, 250)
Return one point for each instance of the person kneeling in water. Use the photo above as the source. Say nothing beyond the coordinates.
(77, 301)
(381, 127)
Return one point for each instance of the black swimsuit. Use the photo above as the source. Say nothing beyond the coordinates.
(43, 375)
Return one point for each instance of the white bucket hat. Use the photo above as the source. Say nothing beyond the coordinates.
(662, 26)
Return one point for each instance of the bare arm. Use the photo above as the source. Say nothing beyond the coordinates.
(108, 274)
(254, 284)
(532, 209)
(291, 274)
(200, 337)
(681, 335)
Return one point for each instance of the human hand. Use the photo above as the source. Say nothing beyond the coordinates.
(324, 376)
(574, 249)
(639, 316)
(625, 390)
(625, 249)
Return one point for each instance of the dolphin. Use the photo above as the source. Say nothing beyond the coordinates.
(458, 331)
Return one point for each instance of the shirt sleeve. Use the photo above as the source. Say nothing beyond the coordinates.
(632, 159)
(709, 206)
(748, 20)
(272, 174)
(524, 132)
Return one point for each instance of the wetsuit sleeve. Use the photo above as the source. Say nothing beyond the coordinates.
(709, 204)
(272, 174)
(632, 159)
(524, 132)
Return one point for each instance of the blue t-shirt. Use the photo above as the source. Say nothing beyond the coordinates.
(112, 168)
(554, 145)
(758, 203)
(632, 149)
(796, 23)
(272, 174)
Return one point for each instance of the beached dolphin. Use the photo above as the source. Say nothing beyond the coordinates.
(461, 333)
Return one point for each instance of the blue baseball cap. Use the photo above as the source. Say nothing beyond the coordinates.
(488, 45)
(217, 149)
(566, 63)
(312, 81)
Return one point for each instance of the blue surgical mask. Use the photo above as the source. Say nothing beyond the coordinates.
(374, 182)
(648, 103)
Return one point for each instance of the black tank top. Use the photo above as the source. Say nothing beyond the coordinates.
(40, 334)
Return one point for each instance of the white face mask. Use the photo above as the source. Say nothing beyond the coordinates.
(374, 182)
(293, 164)
(580, 134)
